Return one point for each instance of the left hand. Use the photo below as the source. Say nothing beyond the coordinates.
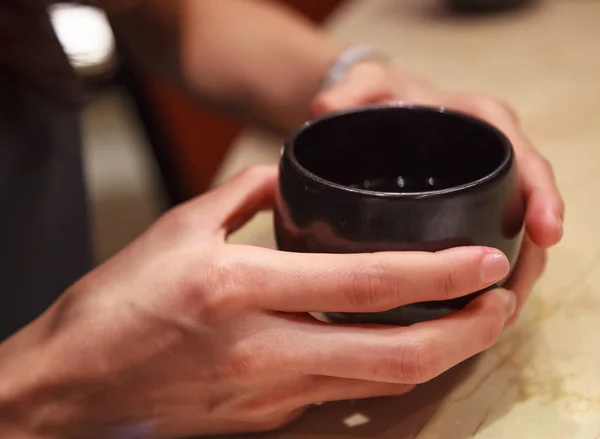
(371, 82)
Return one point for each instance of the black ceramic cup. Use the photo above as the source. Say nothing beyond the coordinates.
(398, 178)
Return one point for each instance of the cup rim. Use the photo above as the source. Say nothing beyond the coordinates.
(290, 143)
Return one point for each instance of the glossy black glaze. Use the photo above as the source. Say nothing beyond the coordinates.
(318, 210)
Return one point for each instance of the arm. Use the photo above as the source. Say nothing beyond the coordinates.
(255, 58)
(267, 64)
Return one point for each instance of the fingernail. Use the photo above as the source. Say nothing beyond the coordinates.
(494, 267)
(510, 302)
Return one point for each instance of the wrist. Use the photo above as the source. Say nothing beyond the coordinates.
(32, 401)
(15, 393)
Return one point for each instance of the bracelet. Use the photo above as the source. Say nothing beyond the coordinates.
(349, 58)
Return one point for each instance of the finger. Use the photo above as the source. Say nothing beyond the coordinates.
(230, 205)
(301, 282)
(341, 389)
(409, 355)
(315, 389)
(529, 268)
(545, 205)
(365, 84)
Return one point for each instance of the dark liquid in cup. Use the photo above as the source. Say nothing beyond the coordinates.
(404, 184)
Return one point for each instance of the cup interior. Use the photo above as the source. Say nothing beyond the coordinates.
(394, 149)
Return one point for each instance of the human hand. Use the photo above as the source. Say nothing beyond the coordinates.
(372, 82)
(184, 334)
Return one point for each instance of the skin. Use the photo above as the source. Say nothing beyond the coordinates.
(372, 82)
(195, 336)
(184, 334)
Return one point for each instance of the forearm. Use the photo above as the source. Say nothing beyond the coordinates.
(253, 57)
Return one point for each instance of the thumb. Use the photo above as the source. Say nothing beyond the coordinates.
(230, 205)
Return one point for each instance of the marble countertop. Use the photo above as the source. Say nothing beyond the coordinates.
(542, 380)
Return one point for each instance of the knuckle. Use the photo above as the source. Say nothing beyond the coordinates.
(371, 287)
(450, 282)
(492, 326)
(213, 288)
(363, 291)
(492, 332)
(546, 165)
(414, 363)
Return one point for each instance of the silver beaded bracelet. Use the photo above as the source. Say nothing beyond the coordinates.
(349, 58)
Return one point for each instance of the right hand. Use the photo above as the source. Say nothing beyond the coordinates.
(184, 334)
(371, 82)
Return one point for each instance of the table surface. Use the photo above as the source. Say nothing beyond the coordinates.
(542, 380)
